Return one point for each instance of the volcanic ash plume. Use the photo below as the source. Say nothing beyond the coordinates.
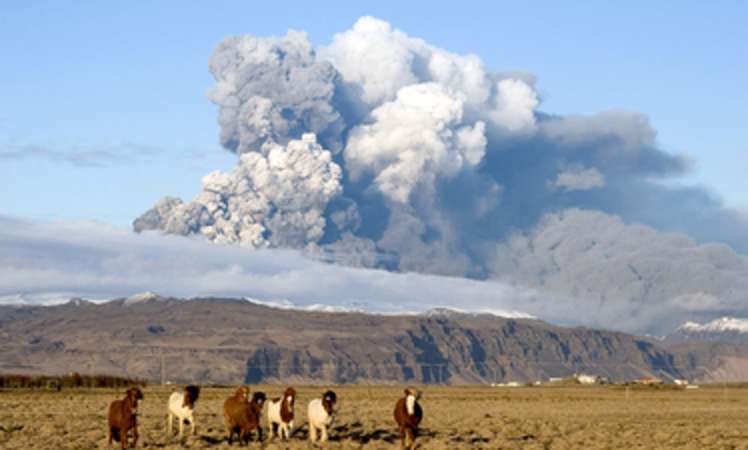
(380, 149)
(399, 125)
(416, 138)
(273, 89)
(276, 197)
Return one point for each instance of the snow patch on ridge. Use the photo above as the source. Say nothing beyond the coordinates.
(44, 299)
(289, 305)
(451, 312)
(142, 297)
(724, 324)
(390, 310)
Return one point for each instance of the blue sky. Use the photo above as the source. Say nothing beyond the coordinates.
(103, 107)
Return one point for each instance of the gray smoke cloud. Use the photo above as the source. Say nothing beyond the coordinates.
(273, 89)
(381, 150)
(273, 198)
(657, 277)
(579, 179)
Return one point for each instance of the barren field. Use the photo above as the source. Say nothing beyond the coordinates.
(455, 418)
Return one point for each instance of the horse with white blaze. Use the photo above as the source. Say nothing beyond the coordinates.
(321, 414)
(280, 414)
(408, 415)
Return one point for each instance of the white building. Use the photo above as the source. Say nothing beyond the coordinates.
(586, 379)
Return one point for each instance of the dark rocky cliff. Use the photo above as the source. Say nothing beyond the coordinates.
(230, 341)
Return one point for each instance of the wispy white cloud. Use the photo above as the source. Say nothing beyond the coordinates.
(51, 262)
(79, 156)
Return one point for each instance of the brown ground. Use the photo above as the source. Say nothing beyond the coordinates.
(605, 417)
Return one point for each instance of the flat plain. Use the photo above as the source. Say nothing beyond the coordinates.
(568, 417)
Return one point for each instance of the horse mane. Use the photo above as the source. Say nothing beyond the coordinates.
(191, 393)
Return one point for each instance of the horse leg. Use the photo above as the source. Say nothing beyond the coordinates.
(411, 438)
(181, 426)
(273, 430)
(192, 426)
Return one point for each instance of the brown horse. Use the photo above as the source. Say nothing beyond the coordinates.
(123, 417)
(242, 417)
(408, 415)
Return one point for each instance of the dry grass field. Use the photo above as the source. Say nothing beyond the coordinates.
(574, 417)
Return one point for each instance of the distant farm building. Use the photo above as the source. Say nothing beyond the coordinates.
(511, 384)
(587, 379)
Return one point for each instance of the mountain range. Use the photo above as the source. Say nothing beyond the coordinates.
(224, 341)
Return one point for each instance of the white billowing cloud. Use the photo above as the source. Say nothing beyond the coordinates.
(275, 197)
(579, 179)
(375, 57)
(381, 60)
(415, 139)
(514, 106)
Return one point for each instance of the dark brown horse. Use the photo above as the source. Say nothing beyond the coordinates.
(123, 417)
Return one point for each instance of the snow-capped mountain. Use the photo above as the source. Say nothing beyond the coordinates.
(724, 324)
(455, 312)
(724, 329)
(142, 297)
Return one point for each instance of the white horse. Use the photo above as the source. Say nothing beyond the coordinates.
(321, 414)
(182, 406)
